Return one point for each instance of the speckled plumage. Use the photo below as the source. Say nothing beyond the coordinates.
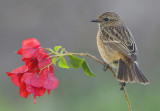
(117, 48)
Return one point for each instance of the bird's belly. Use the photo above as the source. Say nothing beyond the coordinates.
(108, 54)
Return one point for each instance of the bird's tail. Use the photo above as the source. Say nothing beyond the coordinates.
(130, 72)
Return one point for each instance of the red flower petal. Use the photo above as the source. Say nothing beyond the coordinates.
(20, 51)
(30, 43)
(28, 53)
(41, 55)
(37, 81)
(32, 65)
(48, 90)
(44, 63)
(23, 91)
(16, 74)
(15, 80)
(40, 91)
(51, 69)
(30, 89)
(28, 77)
(50, 82)
(34, 99)
(20, 70)
(10, 74)
(35, 90)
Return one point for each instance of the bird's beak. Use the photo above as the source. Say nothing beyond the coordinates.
(95, 20)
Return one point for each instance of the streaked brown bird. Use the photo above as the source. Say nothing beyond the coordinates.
(117, 48)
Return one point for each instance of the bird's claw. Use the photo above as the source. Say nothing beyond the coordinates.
(106, 66)
(123, 84)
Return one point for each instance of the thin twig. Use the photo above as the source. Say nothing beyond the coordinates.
(114, 74)
(96, 59)
(110, 68)
(127, 98)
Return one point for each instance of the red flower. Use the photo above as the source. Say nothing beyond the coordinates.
(17, 74)
(33, 77)
(29, 48)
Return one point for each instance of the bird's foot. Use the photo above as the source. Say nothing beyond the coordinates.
(123, 84)
(106, 66)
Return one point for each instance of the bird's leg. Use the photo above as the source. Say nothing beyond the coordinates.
(123, 84)
(106, 66)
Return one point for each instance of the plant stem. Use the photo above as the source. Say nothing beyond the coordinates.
(96, 59)
(110, 68)
(127, 99)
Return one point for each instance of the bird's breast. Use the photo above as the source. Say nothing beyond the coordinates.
(108, 54)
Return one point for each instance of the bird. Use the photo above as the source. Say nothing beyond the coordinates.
(118, 49)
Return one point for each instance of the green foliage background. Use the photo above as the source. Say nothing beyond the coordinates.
(67, 23)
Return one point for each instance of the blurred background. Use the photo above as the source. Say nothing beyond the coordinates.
(67, 23)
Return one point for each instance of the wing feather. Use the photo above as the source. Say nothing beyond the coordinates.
(120, 39)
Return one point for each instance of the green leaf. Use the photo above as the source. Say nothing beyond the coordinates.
(75, 62)
(54, 60)
(56, 48)
(86, 69)
(62, 63)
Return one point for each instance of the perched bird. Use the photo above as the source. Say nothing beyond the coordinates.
(117, 48)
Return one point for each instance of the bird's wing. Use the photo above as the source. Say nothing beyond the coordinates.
(120, 39)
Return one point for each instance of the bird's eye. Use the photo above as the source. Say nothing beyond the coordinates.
(106, 19)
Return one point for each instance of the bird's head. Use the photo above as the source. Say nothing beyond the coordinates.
(108, 19)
